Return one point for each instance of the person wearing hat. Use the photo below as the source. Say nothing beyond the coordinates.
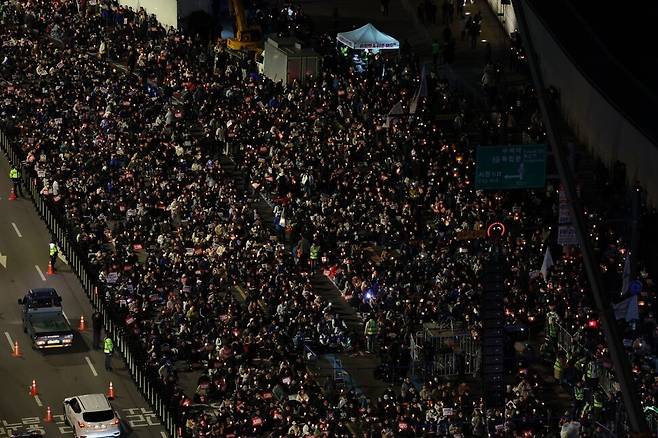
(52, 253)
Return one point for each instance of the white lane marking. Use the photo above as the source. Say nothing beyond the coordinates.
(16, 229)
(93, 370)
(43, 277)
(38, 400)
(67, 318)
(11, 342)
(163, 433)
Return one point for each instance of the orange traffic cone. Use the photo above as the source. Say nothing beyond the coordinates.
(51, 270)
(110, 392)
(33, 388)
(12, 195)
(82, 326)
(17, 351)
(49, 416)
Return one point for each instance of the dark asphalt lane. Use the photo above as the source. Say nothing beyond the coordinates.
(58, 373)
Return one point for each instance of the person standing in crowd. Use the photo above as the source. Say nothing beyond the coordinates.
(314, 255)
(551, 327)
(102, 50)
(15, 176)
(52, 252)
(108, 349)
(592, 373)
(597, 404)
(384, 7)
(579, 397)
(558, 367)
(436, 52)
(370, 332)
(97, 325)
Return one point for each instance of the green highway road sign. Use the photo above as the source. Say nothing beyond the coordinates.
(510, 167)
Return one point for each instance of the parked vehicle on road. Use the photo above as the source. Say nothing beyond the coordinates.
(44, 320)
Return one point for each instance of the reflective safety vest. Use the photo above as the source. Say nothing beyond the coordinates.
(52, 249)
(579, 393)
(592, 370)
(108, 346)
(14, 173)
(371, 327)
(314, 252)
(598, 400)
(557, 368)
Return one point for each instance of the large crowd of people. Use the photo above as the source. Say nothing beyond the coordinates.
(122, 123)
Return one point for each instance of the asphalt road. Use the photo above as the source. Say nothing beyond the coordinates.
(58, 373)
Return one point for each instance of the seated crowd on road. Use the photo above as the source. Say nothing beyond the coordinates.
(132, 161)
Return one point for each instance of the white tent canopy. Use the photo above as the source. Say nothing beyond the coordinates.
(368, 37)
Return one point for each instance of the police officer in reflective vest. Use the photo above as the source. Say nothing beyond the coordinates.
(592, 373)
(558, 367)
(52, 252)
(314, 255)
(15, 176)
(579, 397)
(597, 405)
(371, 331)
(108, 348)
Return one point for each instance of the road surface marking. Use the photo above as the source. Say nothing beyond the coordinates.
(163, 433)
(16, 229)
(3, 260)
(38, 400)
(11, 342)
(93, 370)
(67, 318)
(43, 277)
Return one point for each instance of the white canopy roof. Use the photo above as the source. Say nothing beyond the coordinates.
(368, 37)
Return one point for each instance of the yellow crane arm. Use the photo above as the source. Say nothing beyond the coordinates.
(238, 10)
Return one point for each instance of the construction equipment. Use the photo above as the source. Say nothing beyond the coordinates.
(247, 37)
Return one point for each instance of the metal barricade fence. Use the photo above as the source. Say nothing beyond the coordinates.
(608, 382)
(566, 341)
(79, 263)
